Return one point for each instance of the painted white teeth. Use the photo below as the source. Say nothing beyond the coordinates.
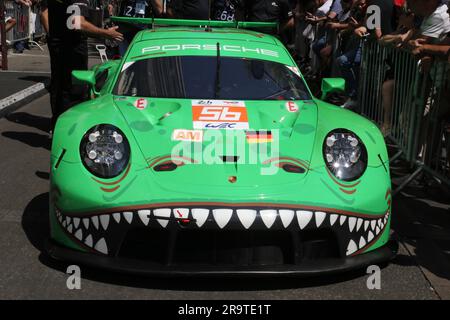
(163, 213)
(116, 217)
(200, 216)
(351, 223)
(268, 217)
(64, 223)
(86, 222)
(351, 248)
(366, 224)
(333, 218)
(145, 216)
(94, 220)
(379, 222)
(222, 216)
(377, 231)
(247, 217)
(79, 234)
(286, 217)
(88, 241)
(68, 219)
(76, 222)
(303, 218)
(362, 242)
(373, 224)
(104, 220)
(342, 220)
(320, 216)
(60, 219)
(359, 224)
(128, 216)
(101, 246)
(70, 228)
(370, 236)
(182, 213)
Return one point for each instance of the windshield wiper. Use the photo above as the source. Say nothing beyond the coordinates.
(217, 91)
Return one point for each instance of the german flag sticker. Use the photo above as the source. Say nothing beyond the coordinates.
(259, 136)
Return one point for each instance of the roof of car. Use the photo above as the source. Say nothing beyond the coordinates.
(202, 33)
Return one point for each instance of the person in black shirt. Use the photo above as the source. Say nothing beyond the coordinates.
(267, 11)
(192, 9)
(67, 43)
(132, 9)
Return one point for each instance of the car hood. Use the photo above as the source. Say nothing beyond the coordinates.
(271, 135)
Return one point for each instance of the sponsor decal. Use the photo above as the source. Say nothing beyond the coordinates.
(291, 106)
(140, 103)
(209, 47)
(259, 136)
(219, 114)
(187, 135)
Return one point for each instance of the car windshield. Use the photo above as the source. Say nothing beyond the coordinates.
(211, 77)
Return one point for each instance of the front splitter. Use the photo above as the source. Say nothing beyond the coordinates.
(306, 269)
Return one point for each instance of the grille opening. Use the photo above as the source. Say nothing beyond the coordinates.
(229, 248)
(319, 244)
(149, 245)
(194, 247)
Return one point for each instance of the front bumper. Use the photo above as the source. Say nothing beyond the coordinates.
(328, 266)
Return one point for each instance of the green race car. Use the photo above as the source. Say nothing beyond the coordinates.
(203, 152)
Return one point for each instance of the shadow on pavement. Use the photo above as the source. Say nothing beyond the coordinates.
(32, 139)
(35, 224)
(30, 120)
(36, 78)
(424, 226)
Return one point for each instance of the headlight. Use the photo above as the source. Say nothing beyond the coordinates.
(105, 151)
(345, 154)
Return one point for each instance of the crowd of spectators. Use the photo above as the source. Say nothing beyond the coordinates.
(324, 36)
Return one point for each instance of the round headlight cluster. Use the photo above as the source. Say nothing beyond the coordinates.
(105, 151)
(345, 154)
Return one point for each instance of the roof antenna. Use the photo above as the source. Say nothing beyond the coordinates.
(208, 27)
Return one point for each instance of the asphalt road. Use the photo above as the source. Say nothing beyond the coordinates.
(28, 274)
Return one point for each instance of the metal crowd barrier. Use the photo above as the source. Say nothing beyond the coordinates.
(418, 121)
(21, 30)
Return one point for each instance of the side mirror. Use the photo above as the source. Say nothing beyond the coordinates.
(86, 76)
(330, 85)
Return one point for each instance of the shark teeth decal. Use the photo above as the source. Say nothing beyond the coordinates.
(222, 216)
(76, 222)
(94, 220)
(286, 217)
(351, 223)
(116, 217)
(145, 216)
(88, 241)
(333, 218)
(303, 218)
(162, 213)
(128, 216)
(79, 234)
(351, 248)
(362, 242)
(359, 224)
(246, 216)
(200, 216)
(101, 246)
(92, 231)
(104, 220)
(320, 216)
(268, 217)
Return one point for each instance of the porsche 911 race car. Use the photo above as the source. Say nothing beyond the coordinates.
(204, 152)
